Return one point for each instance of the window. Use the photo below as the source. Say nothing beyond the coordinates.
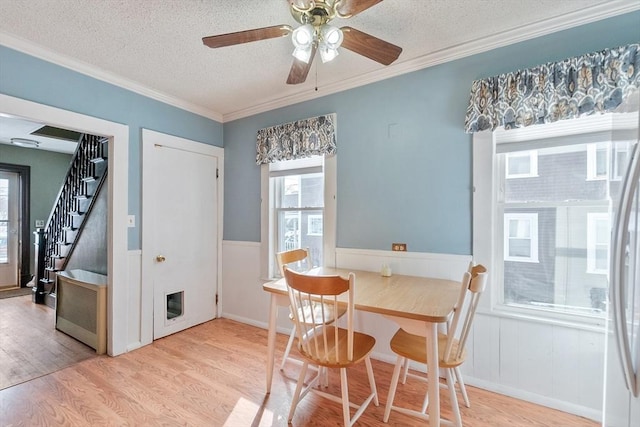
(522, 165)
(598, 236)
(546, 237)
(300, 212)
(597, 161)
(521, 237)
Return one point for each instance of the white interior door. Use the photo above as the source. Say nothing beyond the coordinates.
(9, 229)
(180, 233)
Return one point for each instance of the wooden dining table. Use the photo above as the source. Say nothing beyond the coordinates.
(416, 304)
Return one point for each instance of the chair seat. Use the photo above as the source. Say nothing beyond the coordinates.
(362, 346)
(414, 347)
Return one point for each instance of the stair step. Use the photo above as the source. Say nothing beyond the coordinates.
(82, 196)
(57, 256)
(63, 243)
(52, 269)
(69, 228)
(89, 178)
(98, 160)
(76, 213)
(46, 281)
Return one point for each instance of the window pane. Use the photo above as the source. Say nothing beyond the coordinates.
(4, 199)
(299, 191)
(3, 243)
(301, 229)
(519, 165)
(601, 162)
(562, 195)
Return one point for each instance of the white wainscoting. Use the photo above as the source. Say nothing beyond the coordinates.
(553, 365)
(134, 303)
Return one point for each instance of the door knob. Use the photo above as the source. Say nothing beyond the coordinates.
(160, 258)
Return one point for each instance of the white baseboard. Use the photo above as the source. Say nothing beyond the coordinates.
(549, 402)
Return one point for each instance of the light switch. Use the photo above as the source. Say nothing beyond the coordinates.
(39, 223)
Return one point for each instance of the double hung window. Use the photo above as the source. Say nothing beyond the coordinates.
(554, 188)
(297, 217)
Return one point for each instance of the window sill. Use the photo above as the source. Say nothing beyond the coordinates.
(585, 323)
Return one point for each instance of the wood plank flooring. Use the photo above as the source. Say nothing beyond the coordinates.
(30, 346)
(214, 375)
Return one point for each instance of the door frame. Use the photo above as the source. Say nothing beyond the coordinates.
(149, 139)
(24, 251)
(118, 193)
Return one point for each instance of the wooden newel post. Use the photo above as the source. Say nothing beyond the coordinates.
(38, 292)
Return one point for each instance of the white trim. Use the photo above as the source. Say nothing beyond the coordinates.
(538, 399)
(118, 191)
(505, 38)
(149, 139)
(515, 35)
(90, 70)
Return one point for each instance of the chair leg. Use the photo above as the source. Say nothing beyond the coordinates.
(292, 336)
(372, 381)
(392, 388)
(452, 396)
(346, 412)
(406, 371)
(296, 394)
(463, 389)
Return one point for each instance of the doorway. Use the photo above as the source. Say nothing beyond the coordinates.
(14, 226)
(118, 182)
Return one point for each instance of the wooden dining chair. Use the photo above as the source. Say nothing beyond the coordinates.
(299, 259)
(451, 347)
(324, 344)
(457, 372)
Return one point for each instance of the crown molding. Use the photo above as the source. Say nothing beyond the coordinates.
(37, 51)
(526, 32)
(505, 38)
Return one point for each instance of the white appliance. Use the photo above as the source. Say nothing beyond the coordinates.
(622, 379)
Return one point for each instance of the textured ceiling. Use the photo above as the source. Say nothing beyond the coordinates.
(155, 45)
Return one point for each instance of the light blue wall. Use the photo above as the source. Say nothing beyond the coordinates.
(404, 161)
(29, 78)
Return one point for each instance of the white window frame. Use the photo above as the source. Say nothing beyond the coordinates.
(487, 227)
(592, 244)
(533, 164)
(592, 162)
(267, 255)
(532, 219)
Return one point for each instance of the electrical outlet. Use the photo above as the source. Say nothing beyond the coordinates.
(401, 247)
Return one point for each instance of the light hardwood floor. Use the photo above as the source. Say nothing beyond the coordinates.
(214, 375)
(30, 346)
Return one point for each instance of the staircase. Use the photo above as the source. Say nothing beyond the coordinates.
(56, 242)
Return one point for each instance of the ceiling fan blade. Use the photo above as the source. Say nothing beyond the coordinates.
(349, 8)
(300, 69)
(247, 36)
(370, 46)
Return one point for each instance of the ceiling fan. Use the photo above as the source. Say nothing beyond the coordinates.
(315, 34)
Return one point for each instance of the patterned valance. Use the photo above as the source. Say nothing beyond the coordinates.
(588, 84)
(295, 140)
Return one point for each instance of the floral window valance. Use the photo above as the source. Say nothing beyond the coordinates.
(588, 84)
(295, 140)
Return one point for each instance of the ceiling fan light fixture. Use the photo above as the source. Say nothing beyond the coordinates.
(331, 36)
(303, 54)
(303, 36)
(327, 53)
